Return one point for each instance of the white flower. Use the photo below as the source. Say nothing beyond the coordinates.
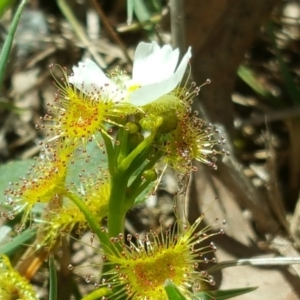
(154, 75)
(91, 80)
(154, 72)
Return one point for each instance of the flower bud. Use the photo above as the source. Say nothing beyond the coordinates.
(132, 127)
(151, 123)
(150, 175)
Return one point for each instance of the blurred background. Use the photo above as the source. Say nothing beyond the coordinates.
(250, 50)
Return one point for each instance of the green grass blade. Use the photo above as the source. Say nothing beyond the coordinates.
(223, 295)
(11, 107)
(18, 241)
(52, 279)
(129, 11)
(247, 75)
(80, 31)
(4, 5)
(9, 40)
(142, 13)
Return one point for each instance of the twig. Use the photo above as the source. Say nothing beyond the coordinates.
(177, 25)
(111, 31)
(286, 248)
(274, 194)
(155, 19)
(274, 116)
(65, 9)
(267, 261)
(295, 224)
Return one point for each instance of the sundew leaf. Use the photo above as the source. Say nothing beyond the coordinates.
(18, 241)
(11, 172)
(96, 160)
(223, 295)
(172, 291)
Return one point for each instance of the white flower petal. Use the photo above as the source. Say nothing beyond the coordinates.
(88, 76)
(92, 81)
(152, 63)
(151, 92)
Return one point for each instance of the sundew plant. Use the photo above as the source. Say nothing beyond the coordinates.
(137, 126)
(108, 179)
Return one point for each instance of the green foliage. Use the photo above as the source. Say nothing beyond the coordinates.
(52, 279)
(223, 295)
(146, 193)
(289, 83)
(143, 10)
(172, 291)
(4, 55)
(129, 11)
(12, 172)
(96, 161)
(17, 242)
(4, 5)
(250, 78)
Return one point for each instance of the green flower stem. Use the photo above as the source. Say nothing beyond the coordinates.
(130, 200)
(120, 171)
(139, 161)
(117, 149)
(134, 153)
(122, 148)
(120, 200)
(150, 165)
(138, 186)
(94, 225)
(116, 208)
